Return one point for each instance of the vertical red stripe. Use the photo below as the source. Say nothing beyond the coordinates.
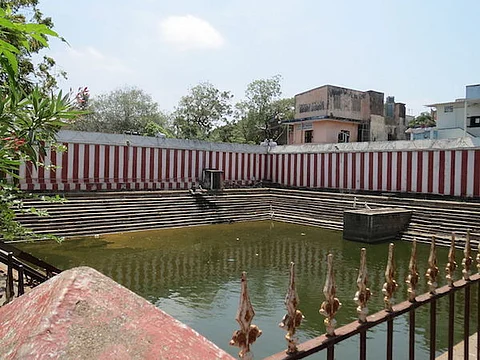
(309, 171)
(143, 164)
(419, 171)
(218, 160)
(301, 159)
(370, 171)
(64, 165)
(106, 171)
(315, 170)
(345, 170)
(441, 173)
(452, 172)
(399, 171)
(354, 170)
(182, 170)
(190, 165)
(389, 171)
(86, 163)
(248, 166)
(430, 172)
(167, 165)
(261, 165)
(330, 167)
(476, 174)
(53, 167)
(134, 164)
(464, 172)
(152, 166)
(337, 172)
(28, 173)
(409, 171)
(380, 171)
(116, 164)
(362, 171)
(126, 164)
(96, 165)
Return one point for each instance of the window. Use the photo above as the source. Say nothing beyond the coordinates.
(308, 136)
(344, 136)
(337, 101)
(474, 121)
(448, 108)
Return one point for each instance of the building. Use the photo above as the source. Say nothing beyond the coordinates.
(459, 118)
(332, 114)
(395, 119)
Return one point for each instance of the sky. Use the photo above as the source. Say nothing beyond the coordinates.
(421, 52)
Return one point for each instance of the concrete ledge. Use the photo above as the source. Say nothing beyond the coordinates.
(82, 314)
(374, 225)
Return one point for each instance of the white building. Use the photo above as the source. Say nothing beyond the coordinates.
(459, 118)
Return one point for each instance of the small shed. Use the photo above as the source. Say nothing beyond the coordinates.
(212, 179)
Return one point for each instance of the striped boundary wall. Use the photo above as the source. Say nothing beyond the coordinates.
(117, 167)
(443, 172)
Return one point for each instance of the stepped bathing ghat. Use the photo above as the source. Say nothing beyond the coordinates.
(121, 183)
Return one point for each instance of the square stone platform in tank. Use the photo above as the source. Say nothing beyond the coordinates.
(374, 225)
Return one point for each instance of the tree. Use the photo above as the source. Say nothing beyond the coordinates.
(128, 109)
(29, 120)
(204, 108)
(259, 115)
(423, 120)
(30, 72)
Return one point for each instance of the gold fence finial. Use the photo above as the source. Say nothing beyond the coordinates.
(294, 317)
(452, 264)
(467, 259)
(248, 333)
(390, 284)
(363, 294)
(331, 305)
(432, 270)
(412, 278)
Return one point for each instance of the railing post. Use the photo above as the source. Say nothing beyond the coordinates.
(450, 270)
(331, 305)
(294, 317)
(361, 298)
(21, 284)
(431, 275)
(412, 281)
(467, 263)
(248, 333)
(389, 288)
(9, 291)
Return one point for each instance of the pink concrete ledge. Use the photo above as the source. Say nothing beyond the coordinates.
(82, 314)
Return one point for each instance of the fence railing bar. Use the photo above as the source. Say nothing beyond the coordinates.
(433, 328)
(451, 324)
(411, 335)
(390, 339)
(466, 322)
(331, 352)
(9, 291)
(322, 342)
(363, 345)
(21, 283)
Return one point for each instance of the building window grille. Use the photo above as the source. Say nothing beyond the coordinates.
(308, 136)
(448, 109)
(474, 121)
(344, 136)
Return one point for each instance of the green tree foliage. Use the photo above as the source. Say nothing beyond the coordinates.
(29, 119)
(123, 110)
(423, 120)
(26, 30)
(260, 114)
(199, 112)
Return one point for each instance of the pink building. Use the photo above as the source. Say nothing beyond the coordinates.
(331, 114)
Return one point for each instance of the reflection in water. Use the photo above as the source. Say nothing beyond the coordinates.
(194, 274)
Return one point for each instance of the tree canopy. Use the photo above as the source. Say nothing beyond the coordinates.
(200, 111)
(423, 120)
(122, 110)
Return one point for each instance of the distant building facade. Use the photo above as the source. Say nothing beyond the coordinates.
(459, 118)
(332, 114)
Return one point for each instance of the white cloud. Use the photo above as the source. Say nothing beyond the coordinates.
(189, 32)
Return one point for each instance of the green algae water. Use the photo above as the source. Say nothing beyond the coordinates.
(194, 275)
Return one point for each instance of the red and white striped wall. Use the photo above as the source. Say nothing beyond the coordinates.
(446, 172)
(115, 167)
